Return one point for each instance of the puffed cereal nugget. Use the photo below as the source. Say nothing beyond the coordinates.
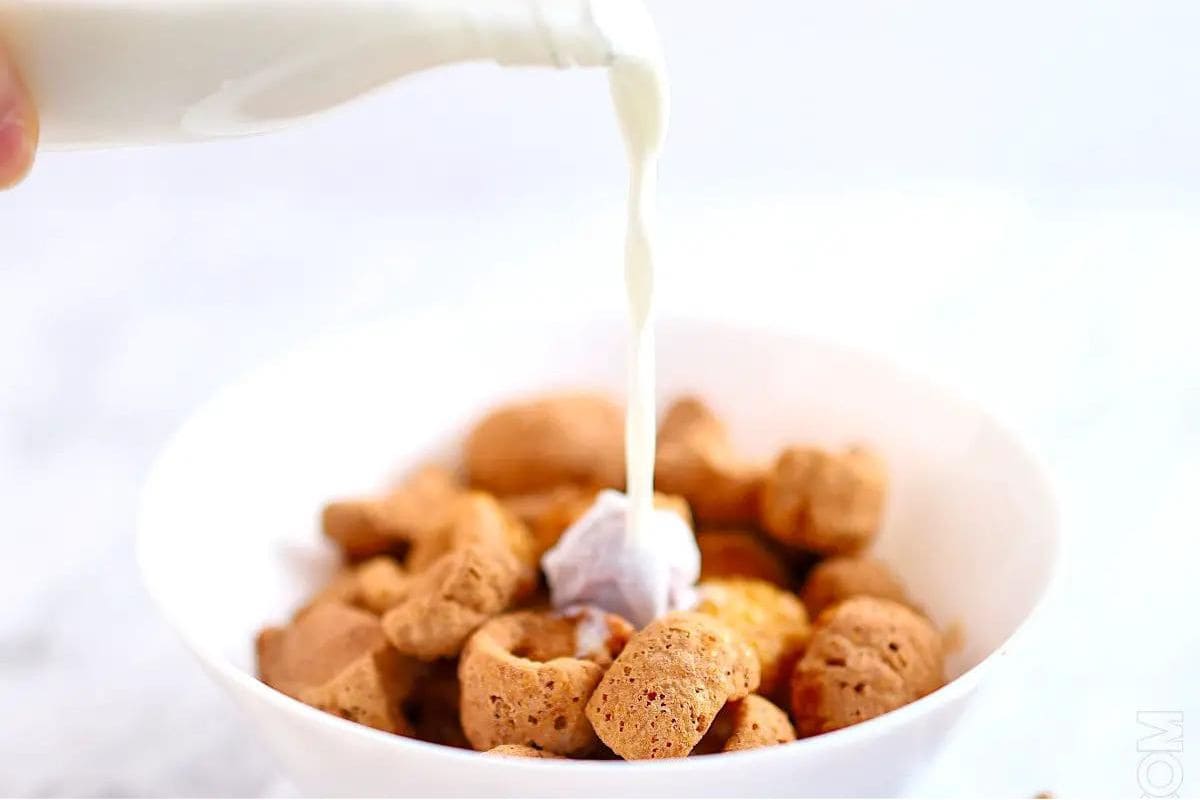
(830, 503)
(836, 579)
(867, 656)
(538, 444)
(371, 526)
(335, 658)
(740, 554)
(773, 621)
(520, 751)
(696, 460)
(662, 693)
(747, 724)
(526, 679)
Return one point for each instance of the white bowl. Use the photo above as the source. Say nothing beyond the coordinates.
(228, 540)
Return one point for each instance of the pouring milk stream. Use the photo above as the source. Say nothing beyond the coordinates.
(113, 72)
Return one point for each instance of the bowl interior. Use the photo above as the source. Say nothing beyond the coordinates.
(229, 540)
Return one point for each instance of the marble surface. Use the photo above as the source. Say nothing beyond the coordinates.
(1055, 284)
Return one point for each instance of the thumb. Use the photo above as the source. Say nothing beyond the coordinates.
(18, 126)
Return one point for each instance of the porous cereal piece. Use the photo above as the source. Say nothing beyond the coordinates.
(365, 527)
(381, 583)
(521, 751)
(746, 724)
(772, 620)
(740, 554)
(867, 656)
(696, 460)
(836, 579)
(479, 520)
(433, 707)
(336, 658)
(526, 679)
(452, 597)
(542, 443)
(830, 503)
(662, 693)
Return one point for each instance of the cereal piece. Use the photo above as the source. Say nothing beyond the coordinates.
(433, 707)
(547, 514)
(771, 619)
(826, 502)
(381, 583)
(696, 460)
(867, 656)
(371, 526)
(335, 658)
(836, 579)
(478, 519)
(739, 554)
(526, 679)
(520, 751)
(539, 444)
(662, 693)
(746, 724)
(456, 594)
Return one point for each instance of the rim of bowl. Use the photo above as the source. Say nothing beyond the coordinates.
(872, 728)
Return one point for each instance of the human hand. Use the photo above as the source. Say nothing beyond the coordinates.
(18, 126)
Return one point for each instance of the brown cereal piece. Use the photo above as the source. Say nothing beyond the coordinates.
(452, 597)
(478, 519)
(740, 554)
(773, 621)
(831, 503)
(746, 724)
(539, 444)
(867, 656)
(335, 658)
(433, 707)
(381, 582)
(370, 526)
(662, 693)
(696, 460)
(547, 514)
(524, 681)
(836, 579)
(521, 751)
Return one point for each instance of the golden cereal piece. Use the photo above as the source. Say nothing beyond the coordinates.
(867, 656)
(740, 554)
(836, 579)
(746, 724)
(479, 520)
(520, 751)
(539, 444)
(830, 503)
(336, 658)
(526, 679)
(773, 621)
(662, 693)
(370, 526)
(696, 460)
(452, 597)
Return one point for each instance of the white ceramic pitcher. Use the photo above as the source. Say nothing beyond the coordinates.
(110, 72)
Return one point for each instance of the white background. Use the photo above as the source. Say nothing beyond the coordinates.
(1006, 196)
